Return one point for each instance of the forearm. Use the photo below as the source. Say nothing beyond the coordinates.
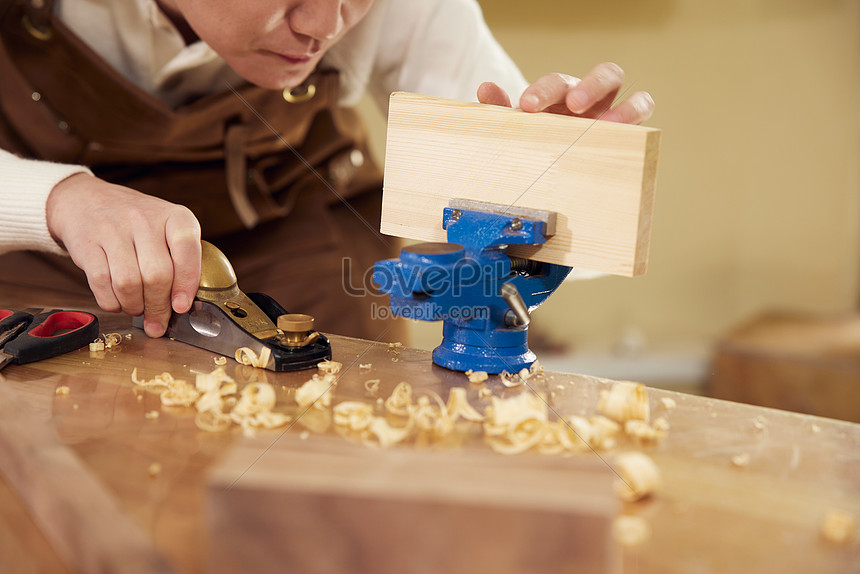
(24, 189)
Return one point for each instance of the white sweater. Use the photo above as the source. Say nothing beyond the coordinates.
(437, 47)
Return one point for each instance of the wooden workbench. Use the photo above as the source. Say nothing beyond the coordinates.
(77, 495)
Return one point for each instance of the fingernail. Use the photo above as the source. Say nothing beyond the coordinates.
(578, 101)
(530, 101)
(181, 303)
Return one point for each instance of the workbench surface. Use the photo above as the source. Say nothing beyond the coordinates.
(77, 494)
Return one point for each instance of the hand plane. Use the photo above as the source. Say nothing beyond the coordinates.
(223, 319)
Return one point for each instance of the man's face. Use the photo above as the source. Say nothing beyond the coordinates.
(274, 44)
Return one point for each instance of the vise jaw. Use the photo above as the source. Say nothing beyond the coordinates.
(483, 296)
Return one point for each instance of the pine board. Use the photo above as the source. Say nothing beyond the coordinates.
(598, 176)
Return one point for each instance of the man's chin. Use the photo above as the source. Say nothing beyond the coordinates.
(270, 78)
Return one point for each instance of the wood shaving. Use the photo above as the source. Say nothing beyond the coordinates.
(759, 423)
(586, 433)
(630, 531)
(640, 477)
(365, 366)
(668, 403)
(154, 469)
(247, 356)
(400, 401)
(381, 433)
(128, 336)
(625, 401)
(62, 391)
(815, 428)
(661, 424)
(151, 415)
(97, 346)
(431, 420)
(603, 432)
(516, 424)
(220, 360)
(642, 431)
(484, 393)
(304, 435)
(329, 367)
(512, 381)
(355, 416)
(315, 392)
(112, 340)
(176, 392)
(458, 406)
(213, 393)
(255, 398)
(839, 527)
(559, 437)
(75, 407)
(372, 386)
(741, 460)
(477, 376)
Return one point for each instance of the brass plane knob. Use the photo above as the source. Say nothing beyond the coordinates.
(295, 327)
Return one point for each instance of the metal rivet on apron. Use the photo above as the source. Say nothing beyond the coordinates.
(356, 158)
(43, 34)
(63, 125)
(36, 96)
(296, 96)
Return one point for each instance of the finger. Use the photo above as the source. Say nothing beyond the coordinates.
(546, 92)
(601, 83)
(491, 93)
(634, 110)
(94, 263)
(156, 272)
(125, 276)
(182, 232)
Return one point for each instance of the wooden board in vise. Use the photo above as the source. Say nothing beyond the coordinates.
(598, 176)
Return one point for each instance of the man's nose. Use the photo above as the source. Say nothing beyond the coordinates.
(317, 19)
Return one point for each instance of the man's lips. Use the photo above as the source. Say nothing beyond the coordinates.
(294, 60)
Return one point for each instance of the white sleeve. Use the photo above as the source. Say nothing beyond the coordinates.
(440, 48)
(24, 188)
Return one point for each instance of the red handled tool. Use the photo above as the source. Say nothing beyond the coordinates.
(25, 338)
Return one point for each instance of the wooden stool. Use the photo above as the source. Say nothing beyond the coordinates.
(796, 362)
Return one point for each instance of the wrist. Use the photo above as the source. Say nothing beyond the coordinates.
(59, 198)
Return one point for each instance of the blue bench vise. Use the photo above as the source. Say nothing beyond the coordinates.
(483, 296)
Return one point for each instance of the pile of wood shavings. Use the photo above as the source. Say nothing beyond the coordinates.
(218, 403)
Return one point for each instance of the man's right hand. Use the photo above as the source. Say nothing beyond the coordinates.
(141, 254)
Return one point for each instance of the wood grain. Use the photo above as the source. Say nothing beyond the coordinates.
(709, 516)
(353, 510)
(599, 176)
(80, 519)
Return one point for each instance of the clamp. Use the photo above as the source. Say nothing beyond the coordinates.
(483, 296)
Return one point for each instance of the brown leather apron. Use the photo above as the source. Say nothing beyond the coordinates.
(275, 184)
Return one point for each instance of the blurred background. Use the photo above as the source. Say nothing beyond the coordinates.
(758, 186)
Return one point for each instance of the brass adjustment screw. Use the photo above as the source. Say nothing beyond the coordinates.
(295, 327)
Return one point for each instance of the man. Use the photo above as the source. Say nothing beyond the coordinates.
(165, 119)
